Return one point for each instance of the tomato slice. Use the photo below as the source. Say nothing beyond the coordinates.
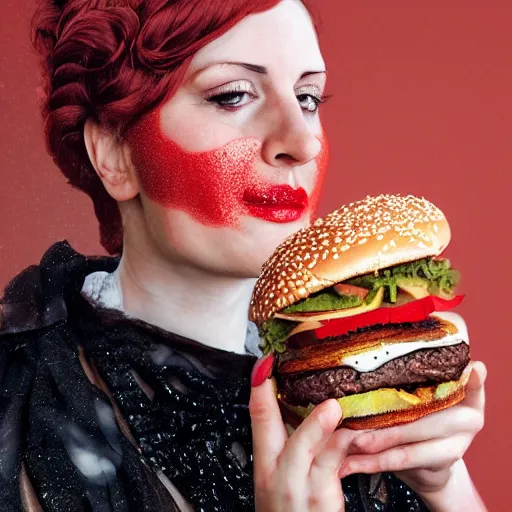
(350, 289)
(414, 311)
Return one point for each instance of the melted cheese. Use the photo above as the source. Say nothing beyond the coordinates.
(373, 359)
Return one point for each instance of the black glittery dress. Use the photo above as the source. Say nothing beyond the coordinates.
(160, 406)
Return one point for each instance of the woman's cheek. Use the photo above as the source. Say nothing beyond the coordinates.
(207, 185)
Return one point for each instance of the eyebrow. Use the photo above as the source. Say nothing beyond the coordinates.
(252, 67)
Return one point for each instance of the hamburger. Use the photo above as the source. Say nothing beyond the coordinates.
(359, 307)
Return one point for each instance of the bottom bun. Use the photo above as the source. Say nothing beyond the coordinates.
(385, 407)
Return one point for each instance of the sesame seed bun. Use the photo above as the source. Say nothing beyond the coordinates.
(359, 238)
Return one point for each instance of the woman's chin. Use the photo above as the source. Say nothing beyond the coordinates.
(236, 250)
(267, 236)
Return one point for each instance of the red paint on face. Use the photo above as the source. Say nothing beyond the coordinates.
(215, 187)
(208, 185)
(322, 162)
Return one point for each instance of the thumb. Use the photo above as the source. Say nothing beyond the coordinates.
(268, 430)
(475, 394)
(478, 375)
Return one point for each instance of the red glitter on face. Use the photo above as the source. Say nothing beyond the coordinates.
(322, 162)
(215, 187)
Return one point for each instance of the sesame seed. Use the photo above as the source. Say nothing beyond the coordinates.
(302, 292)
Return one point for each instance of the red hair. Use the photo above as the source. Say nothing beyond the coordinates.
(112, 61)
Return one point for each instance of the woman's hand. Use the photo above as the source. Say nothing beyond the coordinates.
(297, 472)
(427, 454)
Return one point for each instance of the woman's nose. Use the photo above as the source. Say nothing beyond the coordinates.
(290, 141)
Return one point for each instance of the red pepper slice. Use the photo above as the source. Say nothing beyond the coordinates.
(414, 311)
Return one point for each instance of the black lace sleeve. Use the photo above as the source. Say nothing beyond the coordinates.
(64, 432)
(55, 426)
(16, 373)
(380, 493)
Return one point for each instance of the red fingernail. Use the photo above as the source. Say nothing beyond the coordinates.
(262, 370)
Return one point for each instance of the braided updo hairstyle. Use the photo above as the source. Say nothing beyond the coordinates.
(112, 61)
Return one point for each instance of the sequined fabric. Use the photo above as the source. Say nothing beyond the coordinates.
(184, 404)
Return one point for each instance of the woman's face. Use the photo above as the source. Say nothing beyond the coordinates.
(233, 162)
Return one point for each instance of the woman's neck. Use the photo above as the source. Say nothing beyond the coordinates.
(209, 308)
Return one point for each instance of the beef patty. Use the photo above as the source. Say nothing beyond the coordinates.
(426, 367)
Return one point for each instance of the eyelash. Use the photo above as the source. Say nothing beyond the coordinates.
(225, 96)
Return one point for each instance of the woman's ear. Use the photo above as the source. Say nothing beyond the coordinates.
(111, 160)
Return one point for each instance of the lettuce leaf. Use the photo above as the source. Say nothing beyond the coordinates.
(273, 335)
(326, 300)
(436, 275)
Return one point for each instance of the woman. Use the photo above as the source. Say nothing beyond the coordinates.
(194, 128)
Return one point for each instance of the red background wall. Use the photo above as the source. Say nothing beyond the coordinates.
(421, 105)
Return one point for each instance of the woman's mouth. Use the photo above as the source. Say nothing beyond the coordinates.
(277, 203)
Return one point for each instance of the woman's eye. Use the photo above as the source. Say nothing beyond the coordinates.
(230, 99)
(309, 102)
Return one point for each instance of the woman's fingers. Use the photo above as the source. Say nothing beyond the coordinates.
(335, 451)
(431, 455)
(311, 436)
(282, 463)
(442, 424)
(327, 491)
(311, 491)
(268, 430)
(325, 469)
(283, 474)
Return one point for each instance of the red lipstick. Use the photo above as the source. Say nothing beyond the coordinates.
(276, 203)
